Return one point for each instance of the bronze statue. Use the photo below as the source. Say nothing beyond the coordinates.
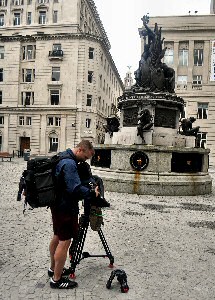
(153, 75)
(144, 122)
(187, 127)
(112, 125)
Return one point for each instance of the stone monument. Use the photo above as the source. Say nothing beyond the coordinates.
(145, 152)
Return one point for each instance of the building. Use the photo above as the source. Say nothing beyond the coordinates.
(58, 81)
(128, 80)
(190, 43)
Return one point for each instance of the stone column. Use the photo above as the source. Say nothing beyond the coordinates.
(190, 64)
(5, 146)
(175, 60)
(206, 71)
(43, 140)
(63, 133)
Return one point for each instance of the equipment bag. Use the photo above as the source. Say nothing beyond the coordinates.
(40, 183)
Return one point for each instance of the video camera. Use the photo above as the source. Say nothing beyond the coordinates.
(91, 181)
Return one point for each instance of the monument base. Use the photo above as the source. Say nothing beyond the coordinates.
(168, 171)
(168, 184)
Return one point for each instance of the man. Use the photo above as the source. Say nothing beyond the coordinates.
(65, 212)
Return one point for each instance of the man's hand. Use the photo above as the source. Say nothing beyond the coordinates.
(97, 191)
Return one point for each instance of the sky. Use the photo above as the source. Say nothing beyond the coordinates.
(122, 18)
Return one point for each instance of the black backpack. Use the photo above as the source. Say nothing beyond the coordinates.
(39, 184)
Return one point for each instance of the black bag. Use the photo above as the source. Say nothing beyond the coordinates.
(40, 183)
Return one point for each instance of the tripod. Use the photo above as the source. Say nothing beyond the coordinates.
(76, 248)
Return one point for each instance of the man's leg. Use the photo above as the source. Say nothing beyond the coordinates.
(60, 256)
(52, 248)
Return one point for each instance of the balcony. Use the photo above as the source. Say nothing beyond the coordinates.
(56, 54)
(181, 86)
(197, 86)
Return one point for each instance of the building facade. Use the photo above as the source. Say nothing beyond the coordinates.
(58, 81)
(190, 50)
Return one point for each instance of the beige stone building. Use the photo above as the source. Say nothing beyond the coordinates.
(58, 81)
(190, 42)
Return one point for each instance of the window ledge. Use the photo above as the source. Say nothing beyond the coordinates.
(55, 84)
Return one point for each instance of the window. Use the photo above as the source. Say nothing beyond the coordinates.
(168, 57)
(28, 121)
(0, 142)
(54, 121)
(88, 121)
(42, 17)
(28, 52)
(17, 19)
(21, 121)
(29, 2)
(18, 2)
(91, 53)
(90, 76)
(28, 75)
(27, 98)
(183, 57)
(202, 111)
(1, 20)
(1, 120)
(55, 73)
(50, 121)
(201, 139)
(57, 121)
(55, 15)
(1, 52)
(56, 47)
(3, 2)
(0, 97)
(53, 144)
(55, 97)
(182, 79)
(89, 100)
(197, 79)
(198, 57)
(29, 17)
(1, 74)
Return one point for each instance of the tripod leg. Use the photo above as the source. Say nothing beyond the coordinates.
(76, 252)
(107, 249)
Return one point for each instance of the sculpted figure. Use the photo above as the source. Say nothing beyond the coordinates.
(152, 74)
(187, 127)
(112, 125)
(144, 122)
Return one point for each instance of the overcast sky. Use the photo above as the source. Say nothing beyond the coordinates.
(122, 18)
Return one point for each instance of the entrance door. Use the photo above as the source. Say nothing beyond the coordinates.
(24, 144)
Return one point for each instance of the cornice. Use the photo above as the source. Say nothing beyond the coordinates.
(40, 109)
(96, 15)
(52, 36)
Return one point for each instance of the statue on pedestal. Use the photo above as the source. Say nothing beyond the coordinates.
(153, 75)
(112, 125)
(187, 127)
(144, 122)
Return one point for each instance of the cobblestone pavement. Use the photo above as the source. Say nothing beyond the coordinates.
(166, 245)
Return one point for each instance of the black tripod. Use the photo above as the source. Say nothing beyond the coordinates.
(76, 248)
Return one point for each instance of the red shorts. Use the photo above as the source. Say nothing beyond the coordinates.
(65, 225)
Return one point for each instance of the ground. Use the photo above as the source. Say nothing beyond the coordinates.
(166, 245)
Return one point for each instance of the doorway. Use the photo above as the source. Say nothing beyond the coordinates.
(24, 144)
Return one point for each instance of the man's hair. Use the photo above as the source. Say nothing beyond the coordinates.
(86, 145)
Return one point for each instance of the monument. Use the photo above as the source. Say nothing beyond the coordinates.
(152, 148)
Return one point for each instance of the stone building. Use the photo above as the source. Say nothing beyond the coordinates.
(190, 43)
(58, 81)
